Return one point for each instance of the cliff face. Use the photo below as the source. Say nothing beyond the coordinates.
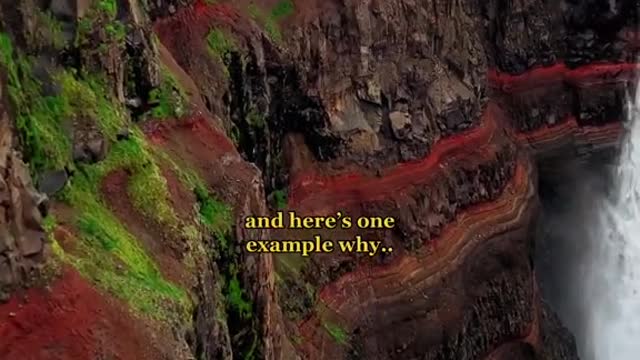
(21, 235)
(155, 127)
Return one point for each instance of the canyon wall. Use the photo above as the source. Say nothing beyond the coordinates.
(151, 129)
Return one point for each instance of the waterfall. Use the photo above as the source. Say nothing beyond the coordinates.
(611, 271)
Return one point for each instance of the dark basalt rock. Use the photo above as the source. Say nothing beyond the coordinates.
(599, 106)
(558, 343)
(89, 145)
(163, 8)
(534, 33)
(52, 182)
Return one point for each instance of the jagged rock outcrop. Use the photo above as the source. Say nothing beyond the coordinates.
(23, 244)
(529, 33)
(437, 113)
(389, 98)
(367, 60)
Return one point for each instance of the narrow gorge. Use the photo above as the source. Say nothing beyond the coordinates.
(137, 135)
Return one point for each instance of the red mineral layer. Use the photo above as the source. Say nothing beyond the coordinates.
(588, 75)
(70, 320)
(451, 238)
(353, 188)
(477, 224)
(158, 132)
(569, 132)
(196, 19)
(308, 187)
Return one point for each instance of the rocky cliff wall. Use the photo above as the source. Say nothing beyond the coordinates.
(438, 113)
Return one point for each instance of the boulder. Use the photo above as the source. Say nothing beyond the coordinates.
(89, 145)
(400, 124)
(63, 8)
(52, 181)
(70, 9)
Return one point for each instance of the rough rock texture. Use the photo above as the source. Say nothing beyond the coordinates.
(22, 238)
(557, 343)
(436, 112)
(367, 59)
(536, 33)
(69, 8)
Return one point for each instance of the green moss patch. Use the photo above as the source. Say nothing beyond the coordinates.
(38, 118)
(256, 119)
(169, 100)
(106, 253)
(220, 45)
(336, 332)
(280, 199)
(270, 19)
(48, 31)
(109, 254)
(110, 7)
(215, 215)
(86, 97)
(101, 17)
(41, 120)
(237, 299)
(283, 9)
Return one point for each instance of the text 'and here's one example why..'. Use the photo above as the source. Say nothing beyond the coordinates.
(316, 244)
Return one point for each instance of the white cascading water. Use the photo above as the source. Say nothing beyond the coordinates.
(611, 273)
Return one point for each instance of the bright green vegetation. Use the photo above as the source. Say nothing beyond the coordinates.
(270, 19)
(169, 98)
(111, 256)
(221, 44)
(280, 197)
(116, 31)
(85, 99)
(147, 187)
(101, 15)
(38, 118)
(337, 333)
(49, 223)
(217, 219)
(49, 31)
(256, 120)
(107, 253)
(241, 308)
(236, 299)
(283, 9)
(215, 215)
(41, 120)
(110, 7)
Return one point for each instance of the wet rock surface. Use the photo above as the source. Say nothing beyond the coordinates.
(558, 344)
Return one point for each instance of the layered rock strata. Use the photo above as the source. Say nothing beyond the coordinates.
(437, 113)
